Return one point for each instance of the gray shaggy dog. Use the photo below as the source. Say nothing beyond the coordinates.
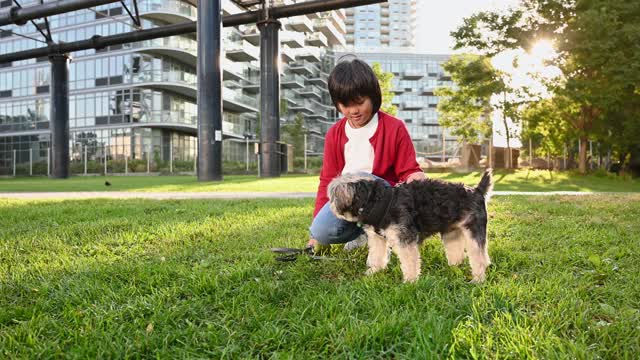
(401, 217)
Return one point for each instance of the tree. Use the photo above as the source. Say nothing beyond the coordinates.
(386, 87)
(544, 123)
(294, 134)
(622, 129)
(466, 108)
(596, 42)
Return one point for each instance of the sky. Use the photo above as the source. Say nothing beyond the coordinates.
(436, 19)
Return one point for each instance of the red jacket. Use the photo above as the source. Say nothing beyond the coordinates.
(394, 155)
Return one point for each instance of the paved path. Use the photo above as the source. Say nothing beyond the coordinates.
(229, 195)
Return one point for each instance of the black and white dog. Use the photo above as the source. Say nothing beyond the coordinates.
(402, 217)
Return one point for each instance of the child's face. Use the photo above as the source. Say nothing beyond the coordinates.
(358, 113)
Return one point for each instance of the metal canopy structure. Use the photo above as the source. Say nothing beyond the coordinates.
(209, 70)
(20, 15)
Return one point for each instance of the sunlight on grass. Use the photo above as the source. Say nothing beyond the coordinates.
(521, 180)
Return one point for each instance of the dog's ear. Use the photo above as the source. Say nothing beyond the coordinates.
(363, 189)
(340, 194)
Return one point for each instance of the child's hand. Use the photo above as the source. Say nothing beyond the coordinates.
(312, 243)
(416, 176)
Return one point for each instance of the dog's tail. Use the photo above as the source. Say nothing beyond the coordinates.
(486, 183)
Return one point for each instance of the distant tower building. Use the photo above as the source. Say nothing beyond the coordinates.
(390, 24)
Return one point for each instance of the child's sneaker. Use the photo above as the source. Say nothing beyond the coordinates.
(358, 242)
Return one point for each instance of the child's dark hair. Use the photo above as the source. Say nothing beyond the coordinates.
(352, 80)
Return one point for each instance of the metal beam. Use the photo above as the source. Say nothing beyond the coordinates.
(97, 42)
(20, 16)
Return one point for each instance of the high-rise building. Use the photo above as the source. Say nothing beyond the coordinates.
(389, 24)
(384, 33)
(135, 103)
(416, 76)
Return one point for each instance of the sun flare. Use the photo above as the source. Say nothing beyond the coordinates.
(542, 50)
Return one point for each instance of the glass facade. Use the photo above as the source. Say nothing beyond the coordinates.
(137, 101)
(416, 76)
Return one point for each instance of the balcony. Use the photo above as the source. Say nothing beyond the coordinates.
(292, 81)
(299, 24)
(252, 87)
(384, 29)
(412, 74)
(239, 51)
(311, 92)
(397, 90)
(319, 105)
(316, 39)
(286, 55)
(302, 68)
(170, 11)
(177, 47)
(232, 70)
(235, 101)
(412, 105)
(291, 97)
(329, 30)
(303, 106)
(427, 90)
(252, 36)
(319, 115)
(338, 22)
(232, 84)
(180, 82)
(309, 56)
(293, 39)
(320, 79)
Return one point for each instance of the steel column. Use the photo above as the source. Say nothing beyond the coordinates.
(59, 116)
(209, 91)
(269, 98)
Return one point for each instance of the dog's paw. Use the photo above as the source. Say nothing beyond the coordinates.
(410, 280)
(372, 270)
(478, 278)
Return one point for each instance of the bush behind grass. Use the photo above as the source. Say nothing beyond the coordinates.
(104, 278)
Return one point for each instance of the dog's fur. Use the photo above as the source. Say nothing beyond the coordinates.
(416, 210)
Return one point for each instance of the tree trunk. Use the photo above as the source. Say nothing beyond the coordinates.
(582, 156)
(507, 158)
(490, 156)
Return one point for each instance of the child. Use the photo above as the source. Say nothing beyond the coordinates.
(366, 140)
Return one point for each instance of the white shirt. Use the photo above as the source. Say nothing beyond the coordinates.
(358, 151)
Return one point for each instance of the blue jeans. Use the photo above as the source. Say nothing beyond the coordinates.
(327, 229)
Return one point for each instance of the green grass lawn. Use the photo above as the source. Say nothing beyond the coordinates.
(521, 180)
(178, 279)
